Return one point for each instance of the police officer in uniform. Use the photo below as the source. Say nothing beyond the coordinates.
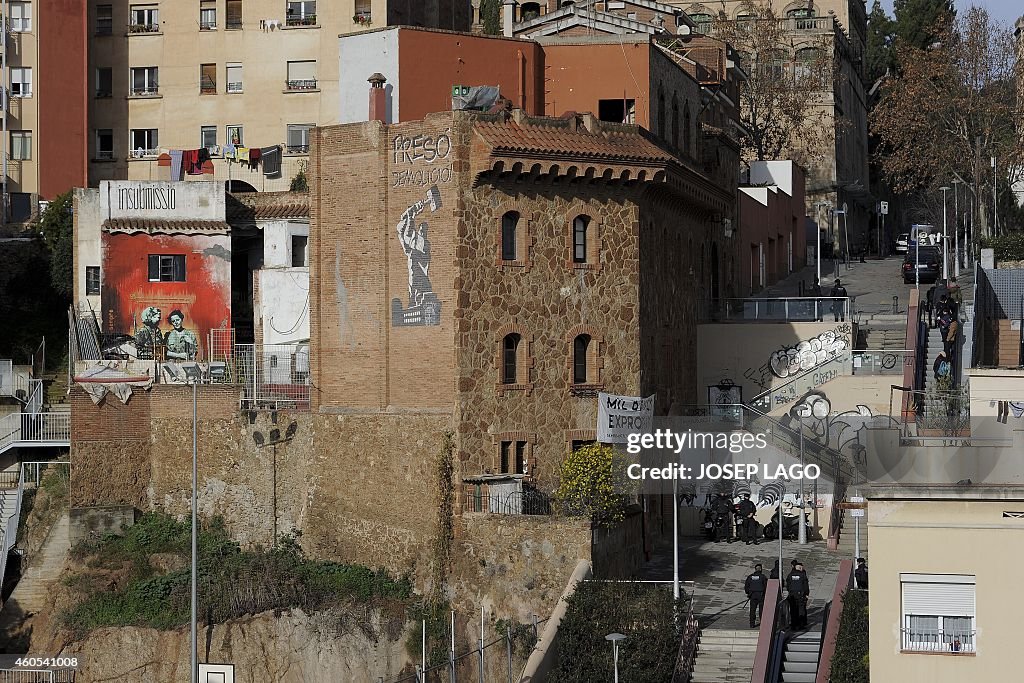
(799, 588)
(745, 522)
(755, 587)
(722, 508)
(861, 573)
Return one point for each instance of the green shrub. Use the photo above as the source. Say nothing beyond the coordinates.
(850, 661)
(1008, 247)
(644, 613)
(593, 482)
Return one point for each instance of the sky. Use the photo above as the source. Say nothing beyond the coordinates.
(1006, 11)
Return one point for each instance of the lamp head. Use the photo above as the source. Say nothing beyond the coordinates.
(945, 188)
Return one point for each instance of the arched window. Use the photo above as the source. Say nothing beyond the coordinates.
(509, 226)
(661, 113)
(675, 121)
(807, 60)
(686, 128)
(580, 224)
(580, 349)
(509, 356)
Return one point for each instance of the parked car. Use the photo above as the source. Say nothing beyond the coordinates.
(903, 243)
(926, 260)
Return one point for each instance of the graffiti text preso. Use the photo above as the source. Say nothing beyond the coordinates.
(428, 148)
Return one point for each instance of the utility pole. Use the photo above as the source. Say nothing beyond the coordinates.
(956, 227)
(945, 250)
(995, 205)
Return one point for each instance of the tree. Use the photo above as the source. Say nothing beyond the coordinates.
(951, 107)
(921, 23)
(593, 482)
(881, 31)
(490, 16)
(785, 104)
(57, 226)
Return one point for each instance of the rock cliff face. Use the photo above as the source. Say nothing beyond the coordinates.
(290, 648)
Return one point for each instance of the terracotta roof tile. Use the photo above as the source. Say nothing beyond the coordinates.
(549, 141)
(156, 226)
(268, 212)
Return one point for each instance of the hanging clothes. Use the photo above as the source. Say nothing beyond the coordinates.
(254, 158)
(176, 155)
(242, 154)
(271, 160)
(204, 156)
(229, 150)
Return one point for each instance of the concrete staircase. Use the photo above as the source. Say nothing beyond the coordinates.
(800, 659)
(847, 538)
(725, 656)
(885, 338)
(33, 590)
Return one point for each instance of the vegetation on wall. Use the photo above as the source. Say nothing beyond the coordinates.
(645, 613)
(445, 467)
(593, 482)
(143, 579)
(57, 226)
(300, 183)
(850, 661)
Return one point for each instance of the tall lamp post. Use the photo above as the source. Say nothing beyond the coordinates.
(945, 251)
(804, 411)
(195, 560)
(616, 638)
(956, 227)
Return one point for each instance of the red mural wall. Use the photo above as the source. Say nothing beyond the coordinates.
(129, 298)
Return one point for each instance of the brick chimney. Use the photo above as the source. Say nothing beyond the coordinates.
(378, 98)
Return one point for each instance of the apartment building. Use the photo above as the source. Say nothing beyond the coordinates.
(205, 74)
(43, 102)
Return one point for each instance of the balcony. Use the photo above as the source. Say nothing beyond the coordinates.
(362, 18)
(308, 20)
(301, 84)
(143, 153)
(143, 28)
(952, 641)
(297, 149)
(145, 91)
(234, 87)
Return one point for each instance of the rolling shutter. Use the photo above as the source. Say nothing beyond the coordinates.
(941, 595)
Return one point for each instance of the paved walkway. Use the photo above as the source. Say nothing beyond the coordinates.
(718, 572)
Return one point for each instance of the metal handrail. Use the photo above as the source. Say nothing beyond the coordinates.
(687, 646)
(945, 640)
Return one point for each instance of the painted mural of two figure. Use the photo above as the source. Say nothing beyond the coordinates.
(178, 344)
(424, 307)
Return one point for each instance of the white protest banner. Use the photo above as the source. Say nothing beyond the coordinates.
(620, 416)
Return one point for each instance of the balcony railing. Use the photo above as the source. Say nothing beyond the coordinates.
(308, 20)
(144, 90)
(143, 28)
(105, 155)
(297, 149)
(142, 152)
(301, 84)
(207, 25)
(930, 640)
(234, 87)
(101, 94)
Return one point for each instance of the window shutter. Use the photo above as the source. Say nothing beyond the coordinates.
(943, 599)
(179, 268)
(301, 71)
(154, 267)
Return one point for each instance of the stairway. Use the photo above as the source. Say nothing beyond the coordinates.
(725, 656)
(847, 537)
(885, 338)
(34, 587)
(800, 658)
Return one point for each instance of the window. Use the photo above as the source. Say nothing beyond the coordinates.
(104, 81)
(297, 141)
(675, 121)
(364, 14)
(529, 10)
(581, 443)
(300, 258)
(104, 143)
(580, 347)
(807, 60)
(301, 13)
(509, 225)
(104, 20)
(686, 128)
(804, 18)
(144, 80)
(207, 15)
(21, 81)
(510, 350)
(234, 77)
(617, 110)
(301, 75)
(21, 145)
(21, 17)
(579, 239)
(234, 135)
(703, 22)
(233, 15)
(513, 457)
(144, 19)
(207, 79)
(938, 613)
(166, 267)
(92, 280)
(21, 206)
(144, 141)
(208, 137)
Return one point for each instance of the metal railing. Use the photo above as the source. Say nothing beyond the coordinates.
(143, 28)
(882, 361)
(207, 25)
(271, 375)
(308, 20)
(687, 645)
(301, 84)
(297, 149)
(787, 309)
(10, 524)
(27, 428)
(511, 503)
(234, 87)
(938, 640)
(145, 90)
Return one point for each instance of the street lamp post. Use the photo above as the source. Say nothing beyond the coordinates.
(675, 538)
(616, 638)
(956, 227)
(804, 412)
(195, 562)
(945, 264)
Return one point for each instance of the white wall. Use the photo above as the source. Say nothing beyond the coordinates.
(360, 55)
(201, 200)
(87, 242)
(773, 173)
(282, 309)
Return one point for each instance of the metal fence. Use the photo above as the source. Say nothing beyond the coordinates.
(37, 676)
(512, 503)
(781, 309)
(937, 640)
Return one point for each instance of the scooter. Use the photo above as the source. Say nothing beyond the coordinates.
(790, 525)
(709, 524)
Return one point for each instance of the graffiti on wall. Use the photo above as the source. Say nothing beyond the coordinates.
(810, 353)
(842, 431)
(428, 149)
(424, 307)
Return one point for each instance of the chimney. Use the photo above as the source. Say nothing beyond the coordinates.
(378, 98)
(509, 16)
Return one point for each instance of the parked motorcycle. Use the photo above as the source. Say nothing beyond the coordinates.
(790, 525)
(709, 524)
